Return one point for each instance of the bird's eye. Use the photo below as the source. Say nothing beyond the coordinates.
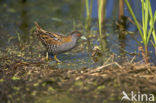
(78, 34)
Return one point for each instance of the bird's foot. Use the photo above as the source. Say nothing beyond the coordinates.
(45, 58)
(57, 60)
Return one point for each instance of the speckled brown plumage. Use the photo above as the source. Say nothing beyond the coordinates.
(56, 43)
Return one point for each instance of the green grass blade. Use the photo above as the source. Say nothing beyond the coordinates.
(146, 21)
(155, 16)
(143, 15)
(151, 23)
(90, 7)
(100, 7)
(87, 8)
(99, 17)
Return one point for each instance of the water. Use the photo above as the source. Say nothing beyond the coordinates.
(61, 16)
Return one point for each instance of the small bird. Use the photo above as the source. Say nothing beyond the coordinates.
(56, 43)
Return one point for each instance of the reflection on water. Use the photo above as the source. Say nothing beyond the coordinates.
(24, 18)
(76, 60)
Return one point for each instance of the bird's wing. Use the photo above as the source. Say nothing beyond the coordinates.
(49, 37)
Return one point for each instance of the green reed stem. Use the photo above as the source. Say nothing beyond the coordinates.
(152, 21)
(100, 19)
(87, 8)
(147, 20)
(88, 13)
(88, 20)
(152, 28)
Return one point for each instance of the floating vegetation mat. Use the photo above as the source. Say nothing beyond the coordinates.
(37, 82)
(25, 78)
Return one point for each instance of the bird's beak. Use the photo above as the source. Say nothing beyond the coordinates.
(83, 38)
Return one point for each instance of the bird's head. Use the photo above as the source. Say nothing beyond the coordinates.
(77, 35)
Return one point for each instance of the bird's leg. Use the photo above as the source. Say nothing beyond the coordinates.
(57, 60)
(47, 56)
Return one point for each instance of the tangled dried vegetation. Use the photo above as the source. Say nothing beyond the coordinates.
(23, 81)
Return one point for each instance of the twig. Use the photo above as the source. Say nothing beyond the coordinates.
(118, 65)
(101, 67)
(108, 59)
(132, 59)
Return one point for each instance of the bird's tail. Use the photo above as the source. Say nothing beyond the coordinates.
(38, 28)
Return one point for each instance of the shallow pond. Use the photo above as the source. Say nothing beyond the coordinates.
(64, 16)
